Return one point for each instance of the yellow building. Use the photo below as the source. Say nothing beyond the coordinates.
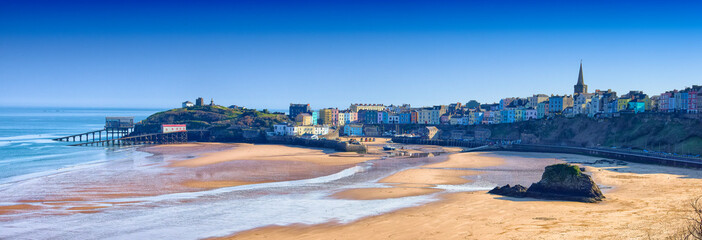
(325, 116)
(518, 115)
(622, 104)
(304, 119)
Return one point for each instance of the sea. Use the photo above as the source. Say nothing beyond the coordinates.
(27, 148)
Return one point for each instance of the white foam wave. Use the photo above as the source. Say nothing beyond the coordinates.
(29, 137)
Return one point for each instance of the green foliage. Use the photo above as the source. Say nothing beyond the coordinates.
(561, 171)
(206, 117)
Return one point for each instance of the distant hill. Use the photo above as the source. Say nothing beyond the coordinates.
(223, 123)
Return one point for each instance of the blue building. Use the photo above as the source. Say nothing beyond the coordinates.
(371, 117)
(405, 118)
(315, 117)
(384, 117)
(507, 115)
(637, 107)
(353, 130)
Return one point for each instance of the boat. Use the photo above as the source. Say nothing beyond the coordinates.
(388, 148)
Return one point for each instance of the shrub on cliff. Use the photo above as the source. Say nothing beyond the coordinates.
(204, 117)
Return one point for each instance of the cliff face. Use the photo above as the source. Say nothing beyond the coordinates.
(672, 133)
(559, 182)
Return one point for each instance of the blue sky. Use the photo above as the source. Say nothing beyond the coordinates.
(267, 54)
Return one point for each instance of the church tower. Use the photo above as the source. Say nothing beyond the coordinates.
(580, 87)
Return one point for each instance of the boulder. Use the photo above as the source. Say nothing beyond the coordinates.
(565, 182)
(559, 182)
(506, 190)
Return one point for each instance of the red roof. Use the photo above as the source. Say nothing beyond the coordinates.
(173, 125)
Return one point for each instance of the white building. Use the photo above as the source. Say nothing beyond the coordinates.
(169, 128)
(394, 119)
(290, 130)
(187, 104)
(530, 114)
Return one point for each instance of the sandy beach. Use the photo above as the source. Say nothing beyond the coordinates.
(642, 201)
(433, 197)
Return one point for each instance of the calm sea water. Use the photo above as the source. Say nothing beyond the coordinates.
(26, 147)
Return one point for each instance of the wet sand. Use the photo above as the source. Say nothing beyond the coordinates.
(179, 168)
(643, 201)
(258, 152)
(383, 193)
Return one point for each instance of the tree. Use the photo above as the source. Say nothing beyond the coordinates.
(693, 231)
(472, 104)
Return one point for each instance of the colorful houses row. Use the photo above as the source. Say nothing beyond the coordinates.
(508, 110)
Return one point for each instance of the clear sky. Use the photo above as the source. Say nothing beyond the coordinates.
(268, 54)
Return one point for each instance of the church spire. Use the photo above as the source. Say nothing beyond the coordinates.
(580, 87)
(580, 76)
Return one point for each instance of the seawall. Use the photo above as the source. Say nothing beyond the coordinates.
(320, 143)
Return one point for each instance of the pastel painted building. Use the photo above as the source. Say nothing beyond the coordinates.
(304, 119)
(637, 107)
(315, 118)
(519, 114)
(280, 129)
(475, 118)
(622, 104)
(405, 118)
(341, 119)
(329, 116)
(348, 117)
(534, 100)
(693, 100)
(353, 129)
(394, 119)
(542, 110)
(507, 115)
(559, 103)
(424, 116)
(529, 114)
(370, 116)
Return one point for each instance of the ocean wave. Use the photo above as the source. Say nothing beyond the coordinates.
(29, 137)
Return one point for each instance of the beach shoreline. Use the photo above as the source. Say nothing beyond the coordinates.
(642, 201)
(448, 191)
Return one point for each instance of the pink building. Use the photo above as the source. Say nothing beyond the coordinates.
(664, 102)
(692, 101)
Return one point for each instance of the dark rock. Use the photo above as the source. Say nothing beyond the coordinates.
(506, 190)
(559, 182)
(565, 182)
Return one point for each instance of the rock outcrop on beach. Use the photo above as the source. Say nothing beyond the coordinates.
(506, 190)
(559, 182)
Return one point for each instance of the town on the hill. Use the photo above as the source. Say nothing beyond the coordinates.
(598, 104)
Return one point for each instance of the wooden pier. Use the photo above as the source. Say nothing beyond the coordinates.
(96, 135)
(153, 138)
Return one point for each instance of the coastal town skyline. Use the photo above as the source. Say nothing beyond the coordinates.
(330, 54)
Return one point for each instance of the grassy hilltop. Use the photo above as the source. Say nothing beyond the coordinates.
(223, 123)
